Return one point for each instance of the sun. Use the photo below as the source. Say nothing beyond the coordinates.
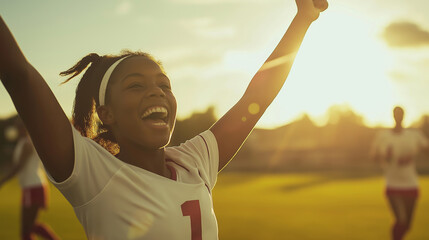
(342, 61)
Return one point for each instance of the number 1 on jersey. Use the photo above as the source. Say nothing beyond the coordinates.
(192, 209)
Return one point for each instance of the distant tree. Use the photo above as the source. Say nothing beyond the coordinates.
(346, 129)
(344, 115)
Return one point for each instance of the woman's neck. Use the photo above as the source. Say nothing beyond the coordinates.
(148, 159)
(398, 128)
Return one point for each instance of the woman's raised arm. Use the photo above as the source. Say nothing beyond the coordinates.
(46, 122)
(233, 128)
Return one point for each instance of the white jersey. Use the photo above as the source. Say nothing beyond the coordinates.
(116, 200)
(32, 173)
(399, 150)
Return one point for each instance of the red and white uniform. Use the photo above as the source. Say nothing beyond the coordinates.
(32, 177)
(399, 150)
(32, 174)
(116, 200)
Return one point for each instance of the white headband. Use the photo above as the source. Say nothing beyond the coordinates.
(105, 81)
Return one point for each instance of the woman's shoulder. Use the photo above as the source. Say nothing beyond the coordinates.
(384, 132)
(200, 143)
(79, 139)
(86, 149)
(412, 131)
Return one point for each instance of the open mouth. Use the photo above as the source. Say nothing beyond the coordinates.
(157, 115)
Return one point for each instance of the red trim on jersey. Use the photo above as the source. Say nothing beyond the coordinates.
(35, 196)
(410, 192)
(208, 154)
(169, 160)
(204, 182)
(207, 146)
(173, 172)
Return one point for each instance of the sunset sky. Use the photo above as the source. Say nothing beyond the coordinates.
(368, 55)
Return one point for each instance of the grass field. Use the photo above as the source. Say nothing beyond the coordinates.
(266, 206)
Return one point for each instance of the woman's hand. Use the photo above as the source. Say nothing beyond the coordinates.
(311, 9)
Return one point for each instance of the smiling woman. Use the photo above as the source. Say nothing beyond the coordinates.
(91, 93)
(116, 171)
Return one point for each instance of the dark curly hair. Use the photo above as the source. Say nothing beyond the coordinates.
(85, 118)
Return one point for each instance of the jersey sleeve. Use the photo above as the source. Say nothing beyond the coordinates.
(422, 140)
(91, 171)
(202, 151)
(209, 164)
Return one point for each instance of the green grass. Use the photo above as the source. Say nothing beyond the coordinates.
(266, 206)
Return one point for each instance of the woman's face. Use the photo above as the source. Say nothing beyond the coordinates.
(141, 103)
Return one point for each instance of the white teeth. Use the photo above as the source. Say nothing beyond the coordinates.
(159, 124)
(155, 110)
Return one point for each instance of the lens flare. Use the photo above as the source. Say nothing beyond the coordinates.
(253, 108)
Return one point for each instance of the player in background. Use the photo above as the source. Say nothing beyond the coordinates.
(396, 150)
(117, 173)
(35, 188)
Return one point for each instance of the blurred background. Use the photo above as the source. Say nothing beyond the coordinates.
(305, 171)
